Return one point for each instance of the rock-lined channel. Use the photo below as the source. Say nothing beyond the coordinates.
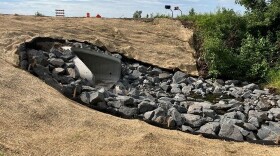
(229, 109)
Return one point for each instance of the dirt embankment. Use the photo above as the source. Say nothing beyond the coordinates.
(162, 42)
(35, 119)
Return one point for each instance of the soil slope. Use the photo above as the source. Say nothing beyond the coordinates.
(162, 42)
(35, 119)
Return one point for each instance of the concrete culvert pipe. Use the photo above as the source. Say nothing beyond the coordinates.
(106, 70)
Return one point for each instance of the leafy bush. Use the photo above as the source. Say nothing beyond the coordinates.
(221, 34)
(158, 15)
(137, 14)
(39, 14)
(273, 79)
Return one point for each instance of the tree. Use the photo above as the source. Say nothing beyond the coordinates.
(192, 12)
(137, 14)
(253, 5)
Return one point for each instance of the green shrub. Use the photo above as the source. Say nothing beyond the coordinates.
(158, 15)
(221, 34)
(137, 14)
(39, 14)
(273, 79)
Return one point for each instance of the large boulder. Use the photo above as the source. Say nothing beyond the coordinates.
(193, 120)
(96, 97)
(231, 131)
(270, 131)
(210, 128)
(275, 112)
(127, 111)
(146, 106)
(176, 116)
(179, 77)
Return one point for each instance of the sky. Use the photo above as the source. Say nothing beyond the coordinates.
(112, 8)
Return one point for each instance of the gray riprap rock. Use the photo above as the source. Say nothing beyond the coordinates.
(149, 115)
(67, 55)
(229, 130)
(88, 88)
(196, 108)
(251, 86)
(198, 84)
(254, 121)
(164, 99)
(24, 64)
(127, 111)
(236, 92)
(250, 127)
(70, 65)
(37, 57)
(155, 72)
(261, 92)
(136, 73)
(85, 97)
(263, 105)
(210, 128)
(187, 89)
(41, 71)
(126, 100)
(142, 69)
(180, 97)
(161, 94)
(221, 106)
(246, 94)
(209, 113)
(275, 112)
(115, 104)
(96, 97)
(191, 80)
(146, 106)
(179, 77)
(270, 131)
(165, 86)
(64, 79)
(176, 116)
(120, 89)
(163, 76)
(181, 108)
(176, 90)
(218, 90)
(56, 62)
(159, 112)
(171, 123)
(187, 129)
(260, 115)
(229, 82)
(235, 115)
(58, 71)
(73, 73)
(193, 120)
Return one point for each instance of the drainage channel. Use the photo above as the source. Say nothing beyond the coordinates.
(112, 83)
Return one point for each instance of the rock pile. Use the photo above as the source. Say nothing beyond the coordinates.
(228, 109)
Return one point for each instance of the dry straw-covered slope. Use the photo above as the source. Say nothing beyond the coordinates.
(36, 120)
(162, 42)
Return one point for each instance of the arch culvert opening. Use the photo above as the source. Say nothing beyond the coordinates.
(115, 84)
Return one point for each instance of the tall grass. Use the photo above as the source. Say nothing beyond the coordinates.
(274, 79)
